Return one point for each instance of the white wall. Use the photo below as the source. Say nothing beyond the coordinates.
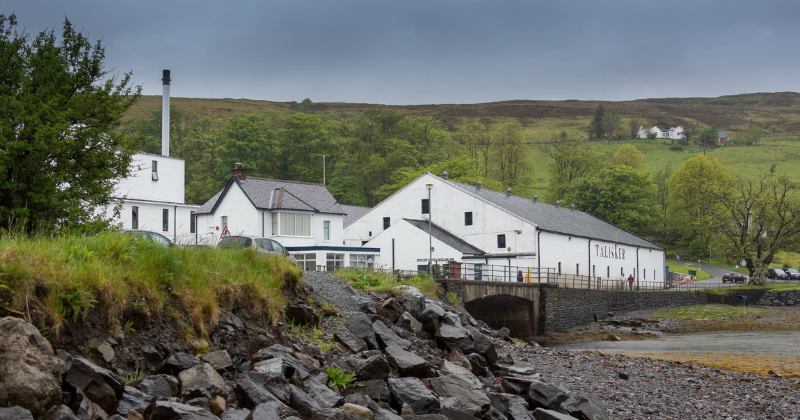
(139, 185)
(151, 218)
(410, 244)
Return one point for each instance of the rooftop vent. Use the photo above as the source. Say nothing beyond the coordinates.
(558, 203)
(535, 198)
(444, 174)
(480, 184)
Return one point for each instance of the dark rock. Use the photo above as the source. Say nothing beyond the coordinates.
(365, 304)
(493, 414)
(323, 395)
(624, 375)
(408, 322)
(360, 325)
(59, 412)
(451, 318)
(376, 389)
(414, 303)
(454, 413)
(391, 310)
(477, 363)
(177, 362)
(195, 393)
(236, 414)
(302, 403)
(512, 406)
(422, 334)
(431, 318)
(387, 337)
(458, 358)
(373, 367)
(156, 386)
(101, 386)
(467, 390)
(15, 413)
(407, 363)
(451, 337)
(201, 402)
(231, 320)
(542, 414)
(587, 407)
(133, 399)
(174, 384)
(349, 340)
(165, 410)
(275, 383)
(376, 317)
(250, 394)
(302, 314)
(153, 356)
(483, 346)
(202, 376)
(380, 413)
(547, 395)
(30, 374)
(285, 365)
(506, 358)
(411, 391)
(505, 332)
(219, 360)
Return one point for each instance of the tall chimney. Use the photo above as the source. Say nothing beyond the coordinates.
(165, 114)
(239, 172)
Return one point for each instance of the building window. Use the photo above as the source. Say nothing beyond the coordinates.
(165, 220)
(501, 241)
(334, 261)
(135, 217)
(307, 262)
(559, 268)
(644, 272)
(192, 223)
(291, 224)
(467, 218)
(621, 271)
(387, 222)
(326, 230)
(224, 222)
(426, 206)
(362, 260)
(422, 268)
(577, 269)
(594, 271)
(608, 272)
(155, 170)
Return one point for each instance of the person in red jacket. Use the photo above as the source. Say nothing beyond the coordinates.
(630, 281)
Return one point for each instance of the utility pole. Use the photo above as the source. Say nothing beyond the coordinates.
(430, 236)
(323, 170)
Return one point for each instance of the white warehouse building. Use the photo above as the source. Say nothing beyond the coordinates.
(473, 227)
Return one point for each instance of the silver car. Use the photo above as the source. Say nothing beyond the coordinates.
(265, 245)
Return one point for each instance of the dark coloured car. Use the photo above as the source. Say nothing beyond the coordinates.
(793, 273)
(150, 236)
(777, 274)
(734, 277)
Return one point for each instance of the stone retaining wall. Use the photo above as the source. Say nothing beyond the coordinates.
(784, 298)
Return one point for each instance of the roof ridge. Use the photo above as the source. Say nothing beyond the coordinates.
(299, 199)
(284, 180)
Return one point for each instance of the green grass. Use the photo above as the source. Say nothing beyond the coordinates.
(707, 312)
(364, 281)
(69, 277)
(684, 269)
(770, 287)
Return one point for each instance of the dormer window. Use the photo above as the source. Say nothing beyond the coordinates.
(155, 170)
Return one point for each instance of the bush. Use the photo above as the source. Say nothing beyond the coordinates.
(676, 148)
(364, 280)
(69, 276)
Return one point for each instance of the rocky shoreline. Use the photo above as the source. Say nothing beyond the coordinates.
(409, 357)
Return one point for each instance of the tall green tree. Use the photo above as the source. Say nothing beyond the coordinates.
(661, 190)
(597, 127)
(513, 162)
(58, 107)
(612, 120)
(629, 155)
(694, 192)
(708, 136)
(570, 160)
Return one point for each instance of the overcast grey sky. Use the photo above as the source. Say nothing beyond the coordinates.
(454, 51)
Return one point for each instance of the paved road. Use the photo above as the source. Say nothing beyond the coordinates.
(715, 271)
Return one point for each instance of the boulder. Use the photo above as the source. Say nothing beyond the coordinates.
(587, 407)
(451, 337)
(302, 314)
(466, 390)
(236, 414)
(431, 318)
(349, 340)
(451, 318)
(177, 362)
(104, 348)
(358, 410)
(218, 405)
(413, 301)
(219, 360)
(407, 363)
(376, 389)
(365, 303)
(250, 394)
(58, 412)
(386, 337)
(542, 414)
(152, 355)
(506, 358)
(305, 405)
(452, 413)
(133, 399)
(30, 374)
(156, 386)
(458, 358)
(380, 413)
(411, 391)
(360, 325)
(201, 377)
(483, 345)
(512, 406)
(165, 410)
(477, 363)
(273, 382)
(267, 411)
(101, 386)
(373, 367)
(407, 321)
(15, 413)
(323, 395)
(449, 368)
(391, 309)
(202, 402)
(547, 395)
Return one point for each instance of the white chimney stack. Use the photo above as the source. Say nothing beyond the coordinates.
(165, 114)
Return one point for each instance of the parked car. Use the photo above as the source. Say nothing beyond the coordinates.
(150, 236)
(777, 274)
(734, 277)
(265, 245)
(793, 273)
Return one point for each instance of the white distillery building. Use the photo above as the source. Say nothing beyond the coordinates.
(473, 227)
(673, 133)
(303, 217)
(152, 195)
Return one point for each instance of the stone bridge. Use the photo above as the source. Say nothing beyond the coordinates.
(516, 306)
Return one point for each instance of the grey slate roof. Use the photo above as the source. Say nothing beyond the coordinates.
(450, 239)
(723, 134)
(275, 194)
(557, 219)
(352, 213)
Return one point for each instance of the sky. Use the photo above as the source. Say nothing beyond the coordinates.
(439, 51)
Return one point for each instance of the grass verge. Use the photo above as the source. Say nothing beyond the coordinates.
(684, 269)
(66, 277)
(769, 287)
(707, 312)
(386, 282)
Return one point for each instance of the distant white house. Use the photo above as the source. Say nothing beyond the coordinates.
(673, 133)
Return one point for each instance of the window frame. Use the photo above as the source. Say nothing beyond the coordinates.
(387, 221)
(165, 220)
(192, 223)
(154, 168)
(303, 261)
(467, 218)
(334, 260)
(501, 237)
(283, 224)
(134, 217)
(326, 230)
(426, 206)
(362, 260)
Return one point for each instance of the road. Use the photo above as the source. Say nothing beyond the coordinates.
(715, 271)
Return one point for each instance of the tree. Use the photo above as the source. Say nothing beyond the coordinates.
(472, 136)
(661, 190)
(751, 135)
(692, 194)
(708, 136)
(61, 156)
(597, 127)
(620, 195)
(512, 155)
(571, 159)
(611, 122)
(634, 125)
(628, 155)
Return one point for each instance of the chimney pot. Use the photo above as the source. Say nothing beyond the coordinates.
(239, 172)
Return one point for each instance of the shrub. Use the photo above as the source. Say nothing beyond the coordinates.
(337, 377)
(385, 282)
(676, 148)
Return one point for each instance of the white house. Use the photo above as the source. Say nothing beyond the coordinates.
(152, 197)
(473, 227)
(302, 216)
(673, 133)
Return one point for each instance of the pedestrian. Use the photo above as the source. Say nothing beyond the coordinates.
(678, 257)
(630, 281)
(519, 276)
(622, 282)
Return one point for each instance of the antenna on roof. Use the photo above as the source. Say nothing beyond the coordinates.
(444, 174)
